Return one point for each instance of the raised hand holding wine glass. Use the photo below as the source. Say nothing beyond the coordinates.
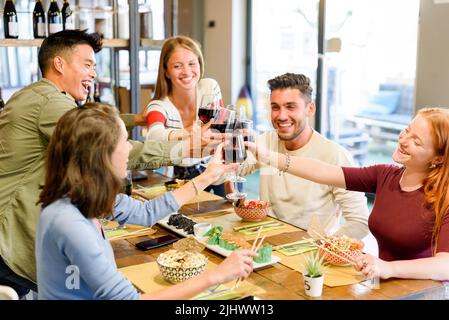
(209, 105)
(234, 151)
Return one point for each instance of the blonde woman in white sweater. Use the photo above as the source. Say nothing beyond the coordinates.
(172, 113)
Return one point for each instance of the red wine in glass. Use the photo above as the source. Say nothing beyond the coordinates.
(246, 127)
(249, 138)
(205, 115)
(234, 155)
(223, 127)
(235, 152)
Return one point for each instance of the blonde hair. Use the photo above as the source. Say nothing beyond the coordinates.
(436, 183)
(164, 85)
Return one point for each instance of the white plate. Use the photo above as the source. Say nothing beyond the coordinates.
(215, 248)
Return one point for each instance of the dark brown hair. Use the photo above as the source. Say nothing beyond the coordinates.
(292, 81)
(78, 163)
(65, 41)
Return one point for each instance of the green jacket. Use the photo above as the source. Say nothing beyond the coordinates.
(26, 125)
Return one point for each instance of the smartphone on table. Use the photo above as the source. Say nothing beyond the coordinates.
(156, 242)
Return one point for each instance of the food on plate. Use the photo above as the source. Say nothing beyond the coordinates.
(255, 204)
(230, 242)
(181, 259)
(181, 222)
(264, 253)
(344, 246)
(339, 244)
(214, 235)
(200, 229)
(188, 244)
(252, 210)
(177, 266)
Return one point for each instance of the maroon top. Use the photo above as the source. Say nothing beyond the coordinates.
(400, 221)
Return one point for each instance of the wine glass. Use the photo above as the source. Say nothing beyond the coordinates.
(244, 127)
(235, 152)
(210, 103)
(224, 120)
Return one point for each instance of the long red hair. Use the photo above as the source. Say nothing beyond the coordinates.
(436, 183)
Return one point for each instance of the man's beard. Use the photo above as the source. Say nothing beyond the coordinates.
(295, 134)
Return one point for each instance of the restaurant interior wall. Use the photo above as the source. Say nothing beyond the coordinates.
(224, 45)
(432, 75)
(191, 19)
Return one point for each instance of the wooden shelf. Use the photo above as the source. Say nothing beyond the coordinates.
(20, 42)
(151, 44)
(107, 43)
(115, 43)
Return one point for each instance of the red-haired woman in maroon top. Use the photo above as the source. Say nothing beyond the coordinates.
(410, 217)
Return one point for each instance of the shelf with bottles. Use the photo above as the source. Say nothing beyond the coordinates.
(107, 43)
(42, 22)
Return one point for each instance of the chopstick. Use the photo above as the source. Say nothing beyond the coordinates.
(254, 247)
(143, 231)
(337, 255)
(260, 243)
(335, 247)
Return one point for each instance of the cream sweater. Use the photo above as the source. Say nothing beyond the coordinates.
(297, 200)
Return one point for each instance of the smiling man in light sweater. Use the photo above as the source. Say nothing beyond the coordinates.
(294, 199)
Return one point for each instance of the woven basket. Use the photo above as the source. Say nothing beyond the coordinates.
(252, 214)
(337, 261)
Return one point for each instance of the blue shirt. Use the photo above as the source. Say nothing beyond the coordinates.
(74, 261)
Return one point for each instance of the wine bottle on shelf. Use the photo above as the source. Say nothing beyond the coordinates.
(54, 18)
(88, 98)
(97, 92)
(2, 103)
(67, 16)
(39, 20)
(10, 22)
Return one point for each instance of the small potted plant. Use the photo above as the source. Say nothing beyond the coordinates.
(313, 274)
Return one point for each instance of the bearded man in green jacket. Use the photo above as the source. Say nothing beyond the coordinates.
(67, 62)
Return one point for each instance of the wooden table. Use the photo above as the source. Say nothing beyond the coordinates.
(279, 281)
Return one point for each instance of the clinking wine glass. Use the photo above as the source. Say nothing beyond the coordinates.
(224, 120)
(235, 152)
(209, 105)
(245, 128)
